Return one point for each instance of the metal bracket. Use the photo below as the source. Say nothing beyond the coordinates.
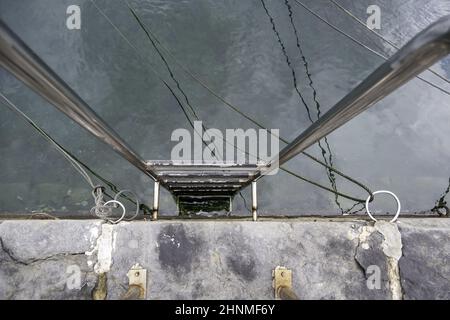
(282, 284)
(137, 277)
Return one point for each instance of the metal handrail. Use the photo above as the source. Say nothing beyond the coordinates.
(24, 64)
(426, 48)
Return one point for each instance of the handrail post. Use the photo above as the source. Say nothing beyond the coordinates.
(155, 201)
(254, 202)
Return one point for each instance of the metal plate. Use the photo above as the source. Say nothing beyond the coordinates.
(282, 278)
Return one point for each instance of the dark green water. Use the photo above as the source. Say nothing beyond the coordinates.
(253, 53)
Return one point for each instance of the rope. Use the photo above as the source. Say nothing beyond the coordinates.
(74, 163)
(381, 37)
(324, 187)
(101, 209)
(363, 45)
(113, 187)
(350, 212)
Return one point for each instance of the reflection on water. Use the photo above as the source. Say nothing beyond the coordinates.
(328, 160)
(441, 203)
(172, 76)
(261, 55)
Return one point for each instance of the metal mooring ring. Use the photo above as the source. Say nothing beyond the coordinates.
(123, 210)
(391, 194)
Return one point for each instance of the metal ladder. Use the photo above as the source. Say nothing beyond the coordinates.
(214, 180)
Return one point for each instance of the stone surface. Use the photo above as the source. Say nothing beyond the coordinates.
(43, 238)
(219, 260)
(216, 259)
(39, 259)
(425, 264)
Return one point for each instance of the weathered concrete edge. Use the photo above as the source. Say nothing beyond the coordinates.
(100, 246)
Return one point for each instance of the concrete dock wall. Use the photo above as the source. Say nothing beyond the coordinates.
(213, 259)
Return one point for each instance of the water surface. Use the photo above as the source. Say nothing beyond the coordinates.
(252, 53)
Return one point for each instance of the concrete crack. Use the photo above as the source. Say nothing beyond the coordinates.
(358, 264)
(10, 254)
(392, 248)
(362, 237)
(13, 257)
(102, 222)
